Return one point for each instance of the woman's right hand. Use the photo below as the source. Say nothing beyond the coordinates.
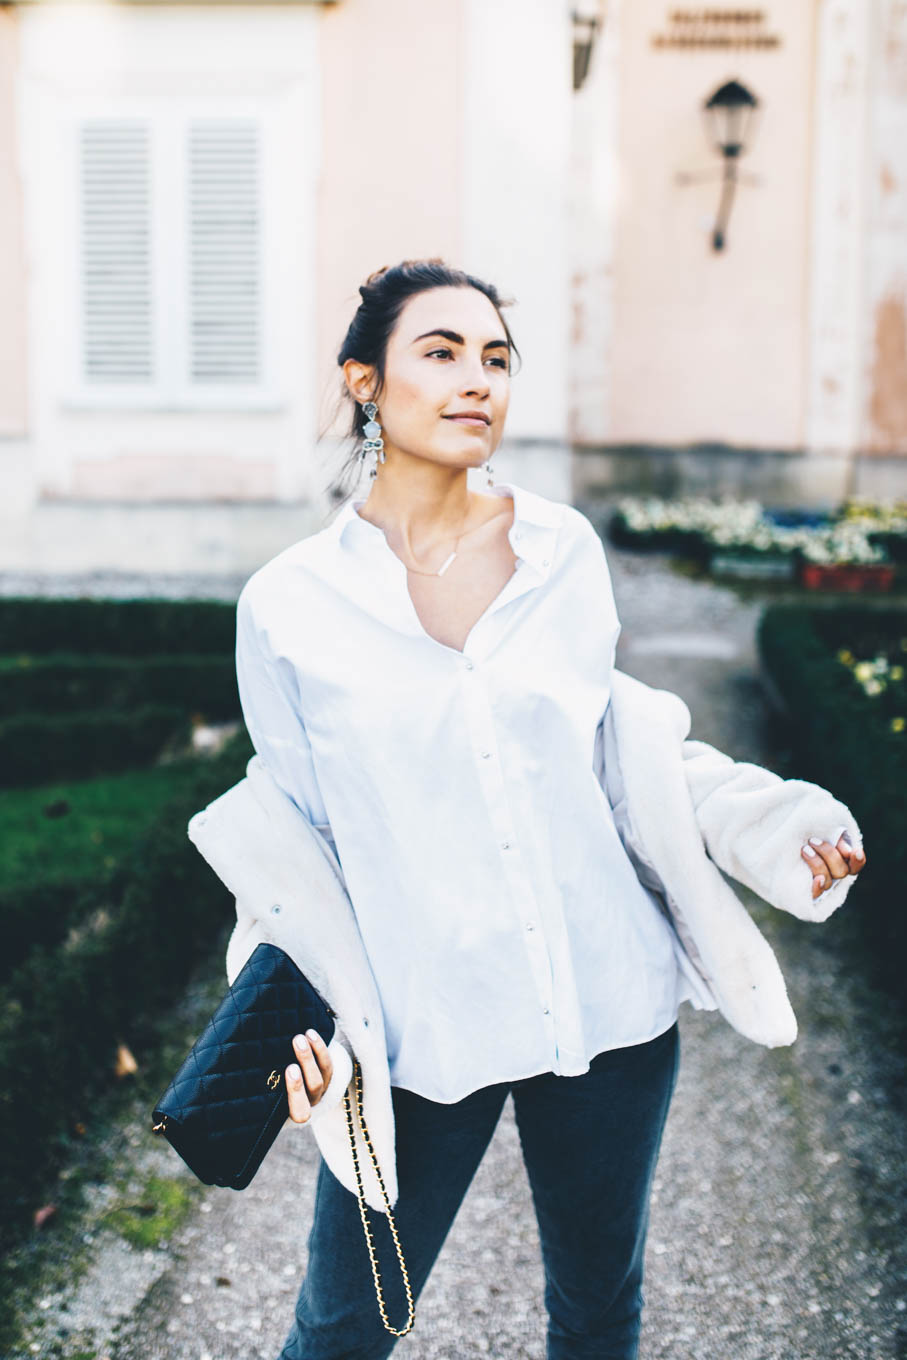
(307, 1083)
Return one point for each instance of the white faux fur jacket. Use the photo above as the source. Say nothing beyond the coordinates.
(684, 812)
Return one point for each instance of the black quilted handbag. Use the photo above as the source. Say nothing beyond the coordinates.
(227, 1102)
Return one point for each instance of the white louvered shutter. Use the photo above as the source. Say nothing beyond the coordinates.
(116, 281)
(224, 251)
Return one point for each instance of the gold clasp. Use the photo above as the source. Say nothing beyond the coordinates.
(161, 1127)
(274, 1081)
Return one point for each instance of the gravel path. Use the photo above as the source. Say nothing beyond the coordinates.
(778, 1217)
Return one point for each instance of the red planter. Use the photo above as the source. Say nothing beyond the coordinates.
(853, 576)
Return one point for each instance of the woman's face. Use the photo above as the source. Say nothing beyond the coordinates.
(447, 354)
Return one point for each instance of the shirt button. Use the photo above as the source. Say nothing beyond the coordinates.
(485, 755)
(468, 665)
(545, 562)
(530, 926)
(546, 1011)
(505, 845)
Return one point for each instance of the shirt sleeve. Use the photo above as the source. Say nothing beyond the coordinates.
(269, 695)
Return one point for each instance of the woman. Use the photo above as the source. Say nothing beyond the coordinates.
(426, 680)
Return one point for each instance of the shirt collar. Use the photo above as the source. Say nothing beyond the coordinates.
(532, 535)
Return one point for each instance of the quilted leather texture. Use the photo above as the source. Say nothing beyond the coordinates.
(221, 1116)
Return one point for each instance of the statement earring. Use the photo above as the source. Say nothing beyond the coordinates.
(374, 443)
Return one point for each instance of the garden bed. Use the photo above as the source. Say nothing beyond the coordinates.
(855, 547)
(105, 903)
(70, 1002)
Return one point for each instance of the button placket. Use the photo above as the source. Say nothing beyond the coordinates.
(482, 734)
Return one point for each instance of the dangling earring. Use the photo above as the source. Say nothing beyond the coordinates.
(374, 442)
(490, 481)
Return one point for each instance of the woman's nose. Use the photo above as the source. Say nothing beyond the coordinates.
(476, 383)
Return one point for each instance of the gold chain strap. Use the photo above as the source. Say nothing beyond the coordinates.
(362, 1209)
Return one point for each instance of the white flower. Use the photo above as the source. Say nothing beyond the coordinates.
(843, 542)
(742, 524)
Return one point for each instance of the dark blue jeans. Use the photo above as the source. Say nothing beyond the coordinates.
(590, 1144)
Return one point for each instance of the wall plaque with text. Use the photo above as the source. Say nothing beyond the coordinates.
(706, 28)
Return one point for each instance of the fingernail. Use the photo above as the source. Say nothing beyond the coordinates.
(312, 1034)
(301, 1040)
(294, 1073)
(815, 840)
(810, 851)
(818, 879)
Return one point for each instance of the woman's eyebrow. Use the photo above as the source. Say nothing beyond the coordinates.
(458, 339)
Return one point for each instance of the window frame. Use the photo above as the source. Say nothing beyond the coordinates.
(168, 116)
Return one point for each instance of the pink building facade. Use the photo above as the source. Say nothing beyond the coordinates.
(191, 194)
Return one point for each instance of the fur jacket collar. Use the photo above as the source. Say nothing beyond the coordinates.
(686, 813)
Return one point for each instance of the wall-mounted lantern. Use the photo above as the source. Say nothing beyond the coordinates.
(587, 23)
(729, 115)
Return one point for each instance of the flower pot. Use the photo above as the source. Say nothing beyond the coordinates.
(751, 566)
(670, 539)
(849, 576)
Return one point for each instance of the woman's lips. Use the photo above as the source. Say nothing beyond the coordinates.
(478, 423)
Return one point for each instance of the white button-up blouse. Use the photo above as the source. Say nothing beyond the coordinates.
(504, 923)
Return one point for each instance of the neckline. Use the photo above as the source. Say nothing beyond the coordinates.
(498, 492)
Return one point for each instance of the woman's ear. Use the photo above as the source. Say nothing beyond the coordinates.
(360, 380)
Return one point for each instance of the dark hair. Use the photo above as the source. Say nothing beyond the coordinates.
(384, 295)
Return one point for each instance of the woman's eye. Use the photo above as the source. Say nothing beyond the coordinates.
(501, 363)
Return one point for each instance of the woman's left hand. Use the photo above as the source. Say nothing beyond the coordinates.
(827, 861)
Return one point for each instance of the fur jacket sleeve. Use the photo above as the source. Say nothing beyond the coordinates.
(753, 824)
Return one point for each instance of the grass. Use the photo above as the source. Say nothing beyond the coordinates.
(96, 822)
(156, 1215)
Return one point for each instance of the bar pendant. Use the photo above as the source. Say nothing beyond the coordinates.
(441, 570)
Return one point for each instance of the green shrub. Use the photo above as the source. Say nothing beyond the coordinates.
(35, 748)
(843, 739)
(68, 1005)
(116, 627)
(66, 683)
(37, 916)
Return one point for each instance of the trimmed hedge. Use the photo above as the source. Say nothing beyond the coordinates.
(116, 627)
(37, 747)
(841, 740)
(38, 915)
(69, 1004)
(64, 683)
